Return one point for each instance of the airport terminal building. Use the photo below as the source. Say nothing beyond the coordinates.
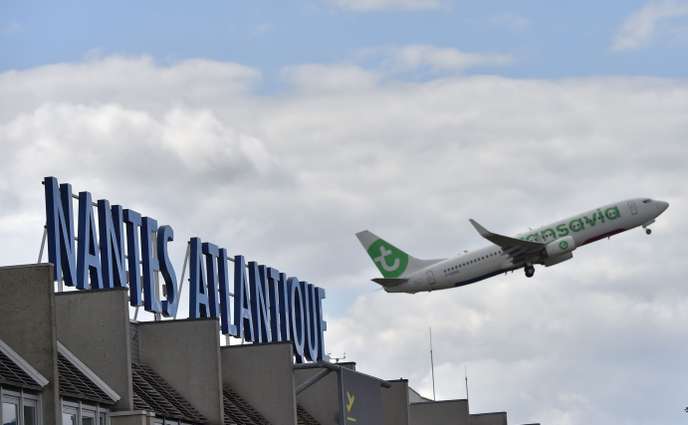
(76, 358)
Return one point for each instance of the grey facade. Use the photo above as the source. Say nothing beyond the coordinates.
(76, 358)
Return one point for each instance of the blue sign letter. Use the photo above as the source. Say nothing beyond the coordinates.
(311, 316)
(111, 245)
(243, 319)
(171, 301)
(260, 302)
(223, 275)
(151, 266)
(298, 318)
(211, 252)
(133, 221)
(322, 325)
(198, 302)
(284, 309)
(87, 259)
(60, 225)
(273, 276)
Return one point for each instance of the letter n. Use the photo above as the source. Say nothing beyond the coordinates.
(260, 302)
(110, 224)
(60, 227)
(88, 258)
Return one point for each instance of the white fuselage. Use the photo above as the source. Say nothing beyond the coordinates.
(584, 228)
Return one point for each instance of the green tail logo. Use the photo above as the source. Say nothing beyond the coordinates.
(390, 260)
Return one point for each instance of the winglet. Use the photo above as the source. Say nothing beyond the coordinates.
(483, 231)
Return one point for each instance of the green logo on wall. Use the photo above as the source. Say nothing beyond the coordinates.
(390, 260)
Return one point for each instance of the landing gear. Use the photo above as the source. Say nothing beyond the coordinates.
(530, 270)
(648, 231)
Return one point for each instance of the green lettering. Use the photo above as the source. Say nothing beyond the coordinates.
(612, 213)
(600, 215)
(547, 233)
(576, 225)
(562, 230)
(591, 220)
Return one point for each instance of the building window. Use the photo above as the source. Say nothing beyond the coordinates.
(69, 415)
(78, 413)
(10, 415)
(18, 407)
(162, 421)
(30, 412)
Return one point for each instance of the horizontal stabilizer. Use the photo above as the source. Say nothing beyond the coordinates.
(389, 283)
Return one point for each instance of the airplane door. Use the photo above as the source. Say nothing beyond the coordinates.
(633, 207)
(431, 277)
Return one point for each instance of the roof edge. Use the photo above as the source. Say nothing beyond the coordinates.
(23, 364)
(88, 372)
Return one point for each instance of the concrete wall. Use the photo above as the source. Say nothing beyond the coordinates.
(94, 325)
(186, 354)
(496, 418)
(262, 376)
(321, 399)
(395, 402)
(448, 412)
(27, 325)
(138, 417)
(363, 395)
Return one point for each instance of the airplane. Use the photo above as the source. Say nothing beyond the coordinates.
(547, 245)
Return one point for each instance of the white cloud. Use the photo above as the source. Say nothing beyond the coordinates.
(641, 26)
(438, 59)
(372, 5)
(318, 77)
(287, 179)
(137, 82)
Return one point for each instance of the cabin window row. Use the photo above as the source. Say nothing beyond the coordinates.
(472, 261)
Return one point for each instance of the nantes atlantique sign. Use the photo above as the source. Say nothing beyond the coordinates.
(268, 306)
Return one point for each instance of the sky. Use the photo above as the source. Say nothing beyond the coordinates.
(278, 130)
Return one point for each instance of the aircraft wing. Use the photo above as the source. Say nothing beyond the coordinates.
(519, 250)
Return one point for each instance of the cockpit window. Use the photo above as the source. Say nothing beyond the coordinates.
(647, 201)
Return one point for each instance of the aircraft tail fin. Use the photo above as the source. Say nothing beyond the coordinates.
(392, 262)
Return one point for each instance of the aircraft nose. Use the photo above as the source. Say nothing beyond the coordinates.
(662, 206)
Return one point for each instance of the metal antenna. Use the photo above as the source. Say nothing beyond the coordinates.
(432, 367)
(465, 374)
(336, 359)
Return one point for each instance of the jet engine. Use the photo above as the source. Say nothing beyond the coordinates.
(560, 246)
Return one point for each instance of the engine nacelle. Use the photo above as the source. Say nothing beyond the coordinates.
(560, 246)
(550, 261)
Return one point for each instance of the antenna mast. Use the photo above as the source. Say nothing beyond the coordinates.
(432, 367)
(465, 374)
